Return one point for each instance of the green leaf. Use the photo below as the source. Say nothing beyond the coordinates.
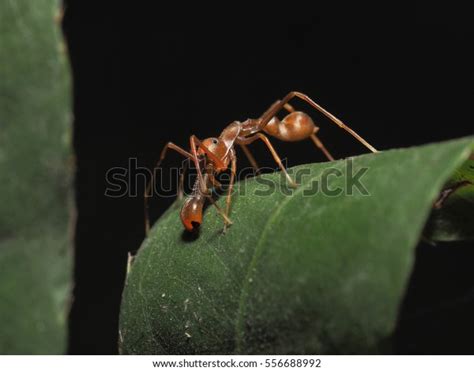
(297, 273)
(35, 261)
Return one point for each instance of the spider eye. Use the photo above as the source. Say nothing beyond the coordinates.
(214, 141)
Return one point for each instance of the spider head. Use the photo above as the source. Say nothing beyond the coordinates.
(215, 151)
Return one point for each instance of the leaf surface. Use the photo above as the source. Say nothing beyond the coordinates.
(301, 272)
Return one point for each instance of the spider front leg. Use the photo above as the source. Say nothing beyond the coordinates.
(209, 176)
(182, 174)
(195, 142)
(233, 171)
(151, 183)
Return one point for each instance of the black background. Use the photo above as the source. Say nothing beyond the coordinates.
(145, 75)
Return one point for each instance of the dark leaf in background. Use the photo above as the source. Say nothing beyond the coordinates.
(35, 171)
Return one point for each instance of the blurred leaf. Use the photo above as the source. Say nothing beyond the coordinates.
(453, 219)
(297, 273)
(35, 265)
